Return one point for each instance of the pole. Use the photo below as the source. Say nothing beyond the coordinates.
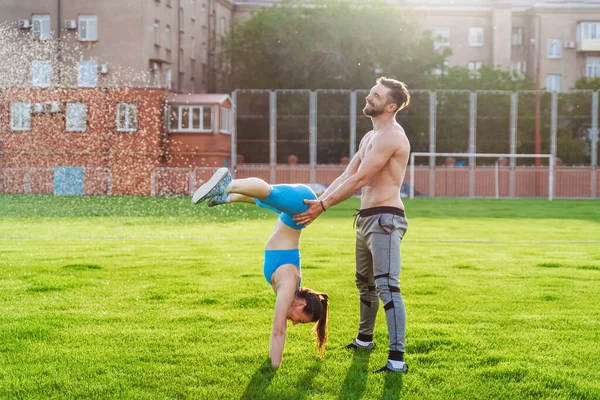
(272, 136)
(352, 124)
(432, 136)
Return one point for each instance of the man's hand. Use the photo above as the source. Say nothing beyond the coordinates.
(307, 217)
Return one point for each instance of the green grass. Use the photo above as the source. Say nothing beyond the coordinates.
(148, 298)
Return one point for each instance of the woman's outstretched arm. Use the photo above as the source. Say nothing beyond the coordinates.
(285, 297)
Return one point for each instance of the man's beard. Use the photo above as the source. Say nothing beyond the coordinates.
(372, 111)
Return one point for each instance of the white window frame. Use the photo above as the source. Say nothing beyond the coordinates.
(204, 53)
(129, 110)
(519, 68)
(592, 67)
(41, 73)
(91, 73)
(555, 48)
(180, 16)
(442, 37)
(193, 49)
(168, 35)
(474, 67)
(225, 120)
(588, 31)
(193, 8)
(180, 61)
(190, 119)
(553, 80)
(223, 22)
(476, 33)
(90, 22)
(20, 116)
(42, 31)
(517, 37)
(168, 79)
(75, 110)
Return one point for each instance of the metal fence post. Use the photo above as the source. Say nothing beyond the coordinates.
(272, 136)
(312, 139)
(472, 146)
(352, 124)
(514, 101)
(432, 137)
(233, 122)
(594, 144)
(553, 133)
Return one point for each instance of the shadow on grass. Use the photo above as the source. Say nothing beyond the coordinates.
(305, 387)
(260, 381)
(393, 385)
(355, 382)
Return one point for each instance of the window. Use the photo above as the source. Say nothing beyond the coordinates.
(474, 67)
(592, 67)
(180, 19)
(40, 26)
(193, 6)
(41, 72)
(88, 28)
(191, 118)
(223, 26)
(204, 55)
(76, 117)
(168, 35)
(588, 31)
(88, 74)
(554, 48)
(476, 37)
(193, 49)
(127, 117)
(168, 79)
(442, 37)
(554, 82)
(225, 116)
(156, 32)
(442, 71)
(517, 37)
(519, 68)
(180, 61)
(20, 116)
(202, 13)
(155, 71)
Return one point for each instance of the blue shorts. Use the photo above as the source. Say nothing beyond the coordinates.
(287, 200)
(276, 258)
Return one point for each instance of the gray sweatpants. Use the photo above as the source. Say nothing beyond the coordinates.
(378, 262)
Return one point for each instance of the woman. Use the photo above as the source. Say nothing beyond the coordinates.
(282, 255)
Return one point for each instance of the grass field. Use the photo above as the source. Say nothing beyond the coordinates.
(151, 298)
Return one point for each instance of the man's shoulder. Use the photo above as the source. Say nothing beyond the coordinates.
(394, 135)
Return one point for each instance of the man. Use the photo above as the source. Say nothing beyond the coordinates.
(378, 168)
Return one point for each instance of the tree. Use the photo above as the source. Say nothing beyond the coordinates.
(328, 45)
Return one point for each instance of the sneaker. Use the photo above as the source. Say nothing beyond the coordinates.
(388, 368)
(215, 186)
(217, 200)
(356, 346)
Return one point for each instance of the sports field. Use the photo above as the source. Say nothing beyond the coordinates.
(153, 298)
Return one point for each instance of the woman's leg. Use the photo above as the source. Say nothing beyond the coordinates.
(250, 187)
(239, 198)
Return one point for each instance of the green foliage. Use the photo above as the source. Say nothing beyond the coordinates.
(588, 83)
(330, 45)
(460, 78)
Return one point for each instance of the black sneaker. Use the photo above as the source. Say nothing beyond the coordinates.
(388, 368)
(356, 346)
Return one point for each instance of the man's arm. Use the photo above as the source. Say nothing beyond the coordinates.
(350, 170)
(285, 297)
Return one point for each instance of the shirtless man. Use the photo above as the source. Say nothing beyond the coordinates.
(378, 168)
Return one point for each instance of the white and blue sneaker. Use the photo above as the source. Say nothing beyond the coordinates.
(215, 186)
(217, 200)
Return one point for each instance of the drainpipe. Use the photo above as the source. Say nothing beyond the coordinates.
(58, 44)
(179, 28)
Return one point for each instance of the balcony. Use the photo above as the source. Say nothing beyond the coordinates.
(588, 36)
(588, 45)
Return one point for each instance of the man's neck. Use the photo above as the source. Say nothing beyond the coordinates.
(383, 121)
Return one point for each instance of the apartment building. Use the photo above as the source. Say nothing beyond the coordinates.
(562, 37)
(172, 44)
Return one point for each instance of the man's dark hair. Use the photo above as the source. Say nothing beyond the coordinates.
(398, 92)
